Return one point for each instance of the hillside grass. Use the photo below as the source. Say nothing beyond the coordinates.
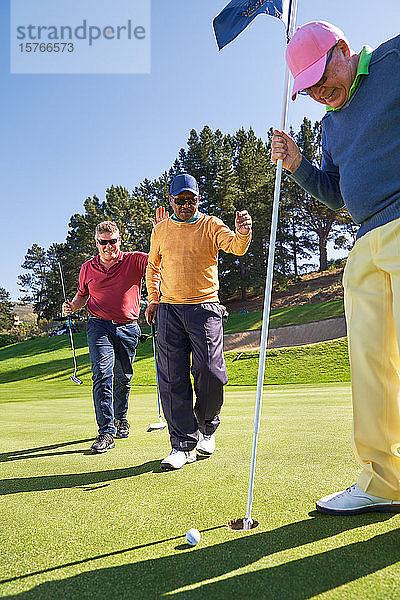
(325, 362)
(283, 317)
(50, 359)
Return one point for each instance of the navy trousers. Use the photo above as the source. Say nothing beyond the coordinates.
(112, 349)
(184, 331)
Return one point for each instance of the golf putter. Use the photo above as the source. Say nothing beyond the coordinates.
(158, 426)
(73, 377)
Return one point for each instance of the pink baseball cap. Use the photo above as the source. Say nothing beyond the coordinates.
(306, 52)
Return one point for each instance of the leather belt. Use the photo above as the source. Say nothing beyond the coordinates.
(112, 321)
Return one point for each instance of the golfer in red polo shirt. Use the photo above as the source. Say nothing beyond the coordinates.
(110, 286)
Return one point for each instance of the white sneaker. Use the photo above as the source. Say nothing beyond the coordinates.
(353, 501)
(206, 444)
(177, 459)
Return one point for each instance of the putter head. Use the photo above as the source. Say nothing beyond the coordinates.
(242, 524)
(156, 426)
(76, 379)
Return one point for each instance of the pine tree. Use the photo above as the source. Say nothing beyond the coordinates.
(254, 173)
(81, 230)
(57, 255)
(33, 283)
(6, 306)
(316, 218)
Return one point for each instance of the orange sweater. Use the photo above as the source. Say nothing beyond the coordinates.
(183, 259)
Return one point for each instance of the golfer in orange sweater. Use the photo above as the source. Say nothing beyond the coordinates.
(182, 284)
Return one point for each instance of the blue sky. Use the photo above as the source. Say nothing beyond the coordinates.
(66, 137)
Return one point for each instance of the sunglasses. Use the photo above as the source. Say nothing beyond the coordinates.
(105, 242)
(308, 91)
(183, 201)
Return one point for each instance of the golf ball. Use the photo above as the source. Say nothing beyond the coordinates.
(193, 537)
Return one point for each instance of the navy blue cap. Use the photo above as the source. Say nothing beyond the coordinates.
(184, 183)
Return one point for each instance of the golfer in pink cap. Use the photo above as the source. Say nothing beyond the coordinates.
(360, 168)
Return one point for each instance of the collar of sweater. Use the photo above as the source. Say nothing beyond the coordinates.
(195, 218)
(362, 70)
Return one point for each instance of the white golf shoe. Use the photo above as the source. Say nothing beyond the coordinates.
(177, 459)
(353, 501)
(206, 444)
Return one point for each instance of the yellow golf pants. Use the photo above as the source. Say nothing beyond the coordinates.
(372, 303)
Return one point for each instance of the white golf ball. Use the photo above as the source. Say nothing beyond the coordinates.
(193, 537)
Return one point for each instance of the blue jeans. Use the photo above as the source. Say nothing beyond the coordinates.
(112, 350)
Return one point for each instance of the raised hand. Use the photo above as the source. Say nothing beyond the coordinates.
(161, 215)
(243, 222)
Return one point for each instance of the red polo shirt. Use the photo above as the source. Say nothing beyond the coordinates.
(114, 293)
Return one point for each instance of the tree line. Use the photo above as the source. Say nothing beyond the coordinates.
(234, 172)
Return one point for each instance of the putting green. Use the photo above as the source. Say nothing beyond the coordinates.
(77, 526)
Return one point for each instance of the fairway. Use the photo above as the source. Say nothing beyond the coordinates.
(77, 526)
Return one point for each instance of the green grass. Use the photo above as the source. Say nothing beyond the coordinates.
(47, 359)
(50, 359)
(326, 362)
(81, 527)
(282, 317)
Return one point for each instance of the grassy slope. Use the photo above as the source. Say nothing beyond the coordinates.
(47, 359)
(317, 363)
(50, 359)
(80, 527)
(282, 317)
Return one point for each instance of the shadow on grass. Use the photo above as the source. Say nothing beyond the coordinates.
(40, 451)
(56, 482)
(298, 579)
(108, 554)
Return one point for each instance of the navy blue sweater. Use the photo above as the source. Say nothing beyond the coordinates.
(361, 147)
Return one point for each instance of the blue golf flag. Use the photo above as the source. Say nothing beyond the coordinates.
(235, 17)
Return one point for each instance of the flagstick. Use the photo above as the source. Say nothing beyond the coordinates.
(248, 522)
